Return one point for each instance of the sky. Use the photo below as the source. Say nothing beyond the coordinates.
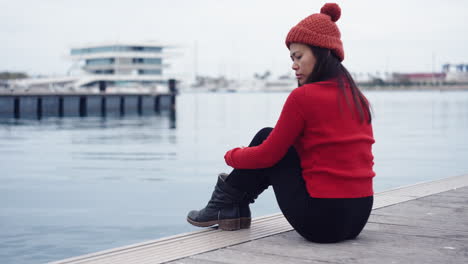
(233, 38)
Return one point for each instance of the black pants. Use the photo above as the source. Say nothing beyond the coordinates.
(323, 220)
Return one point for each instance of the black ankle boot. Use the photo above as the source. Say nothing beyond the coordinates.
(244, 206)
(226, 208)
(245, 215)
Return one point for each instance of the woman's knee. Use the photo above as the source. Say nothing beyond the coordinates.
(261, 135)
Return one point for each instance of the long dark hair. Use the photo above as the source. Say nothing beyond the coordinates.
(328, 66)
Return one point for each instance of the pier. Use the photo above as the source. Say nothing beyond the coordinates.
(39, 105)
(422, 223)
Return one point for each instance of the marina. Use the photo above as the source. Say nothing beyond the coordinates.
(108, 78)
(109, 66)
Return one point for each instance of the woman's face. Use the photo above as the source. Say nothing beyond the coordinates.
(303, 61)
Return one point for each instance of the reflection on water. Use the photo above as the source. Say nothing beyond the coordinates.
(71, 186)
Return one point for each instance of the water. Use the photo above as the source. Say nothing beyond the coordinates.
(73, 186)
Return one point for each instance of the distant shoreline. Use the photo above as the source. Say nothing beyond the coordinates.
(461, 87)
(363, 87)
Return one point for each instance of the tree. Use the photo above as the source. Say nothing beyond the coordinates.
(12, 75)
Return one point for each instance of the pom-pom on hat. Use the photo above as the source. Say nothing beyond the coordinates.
(320, 30)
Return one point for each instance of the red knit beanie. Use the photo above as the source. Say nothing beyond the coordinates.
(319, 30)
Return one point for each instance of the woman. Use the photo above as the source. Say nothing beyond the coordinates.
(318, 157)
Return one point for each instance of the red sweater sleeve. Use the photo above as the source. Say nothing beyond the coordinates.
(288, 127)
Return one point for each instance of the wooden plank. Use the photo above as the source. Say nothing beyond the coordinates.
(407, 193)
(422, 230)
(195, 261)
(232, 256)
(371, 247)
(411, 221)
(437, 211)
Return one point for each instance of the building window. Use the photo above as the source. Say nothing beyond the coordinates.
(157, 61)
(76, 52)
(104, 72)
(115, 49)
(152, 49)
(100, 61)
(149, 72)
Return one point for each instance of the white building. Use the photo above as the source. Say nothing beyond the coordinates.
(110, 67)
(457, 73)
(117, 66)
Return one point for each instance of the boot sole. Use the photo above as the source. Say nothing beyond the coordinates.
(225, 224)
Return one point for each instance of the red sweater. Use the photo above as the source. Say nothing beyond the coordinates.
(335, 148)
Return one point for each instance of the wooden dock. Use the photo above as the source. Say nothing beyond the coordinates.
(422, 223)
